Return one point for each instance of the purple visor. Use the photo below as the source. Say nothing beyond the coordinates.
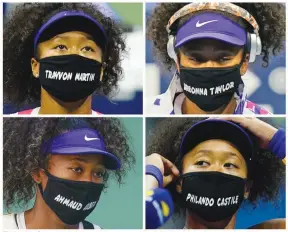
(211, 26)
(65, 21)
(218, 129)
(81, 141)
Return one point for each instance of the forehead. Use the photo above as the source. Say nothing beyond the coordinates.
(215, 147)
(89, 159)
(209, 44)
(72, 35)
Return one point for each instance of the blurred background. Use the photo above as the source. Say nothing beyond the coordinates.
(265, 86)
(119, 207)
(248, 215)
(129, 98)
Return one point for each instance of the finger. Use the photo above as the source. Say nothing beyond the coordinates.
(240, 120)
(168, 179)
(168, 164)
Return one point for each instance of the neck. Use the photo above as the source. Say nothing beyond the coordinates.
(188, 107)
(42, 217)
(50, 105)
(194, 222)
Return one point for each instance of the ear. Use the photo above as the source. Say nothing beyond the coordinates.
(179, 187)
(248, 187)
(244, 67)
(35, 66)
(37, 176)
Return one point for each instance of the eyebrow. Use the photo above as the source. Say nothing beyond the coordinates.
(209, 152)
(189, 47)
(217, 53)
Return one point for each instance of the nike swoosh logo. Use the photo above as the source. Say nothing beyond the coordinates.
(89, 139)
(198, 24)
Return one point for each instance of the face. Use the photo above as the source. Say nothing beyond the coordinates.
(89, 168)
(215, 155)
(211, 53)
(68, 43)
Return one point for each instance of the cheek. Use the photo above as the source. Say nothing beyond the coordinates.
(98, 180)
(59, 170)
(44, 52)
(97, 55)
(238, 58)
(243, 173)
(185, 61)
(188, 166)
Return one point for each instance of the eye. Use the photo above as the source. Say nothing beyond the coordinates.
(202, 163)
(61, 47)
(88, 49)
(194, 59)
(99, 174)
(78, 170)
(224, 59)
(230, 165)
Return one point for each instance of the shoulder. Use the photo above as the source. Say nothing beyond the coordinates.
(28, 112)
(88, 225)
(9, 222)
(159, 104)
(271, 224)
(95, 113)
(97, 227)
(253, 108)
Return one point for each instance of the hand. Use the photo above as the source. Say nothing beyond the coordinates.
(169, 171)
(262, 130)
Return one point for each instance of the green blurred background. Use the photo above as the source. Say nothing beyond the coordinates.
(120, 207)
(130, 13)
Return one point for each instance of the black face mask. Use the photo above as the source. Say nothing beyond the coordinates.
(71, 201)
(213, 196)
(69, 78)
(210, 88)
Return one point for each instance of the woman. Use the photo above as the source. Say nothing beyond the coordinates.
(211, 166)
(65, 164)
(210, 46)
(60, 54)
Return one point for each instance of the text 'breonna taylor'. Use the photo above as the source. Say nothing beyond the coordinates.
(211, 91)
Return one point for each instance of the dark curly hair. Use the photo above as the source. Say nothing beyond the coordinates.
(20, 28)
(20, 159)
(165, 139)
(269, 16)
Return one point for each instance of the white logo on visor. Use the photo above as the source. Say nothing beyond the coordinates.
(89, 139)
(198, 24)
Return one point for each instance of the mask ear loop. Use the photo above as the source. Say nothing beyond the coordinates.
(45, 145)
(39, 184)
